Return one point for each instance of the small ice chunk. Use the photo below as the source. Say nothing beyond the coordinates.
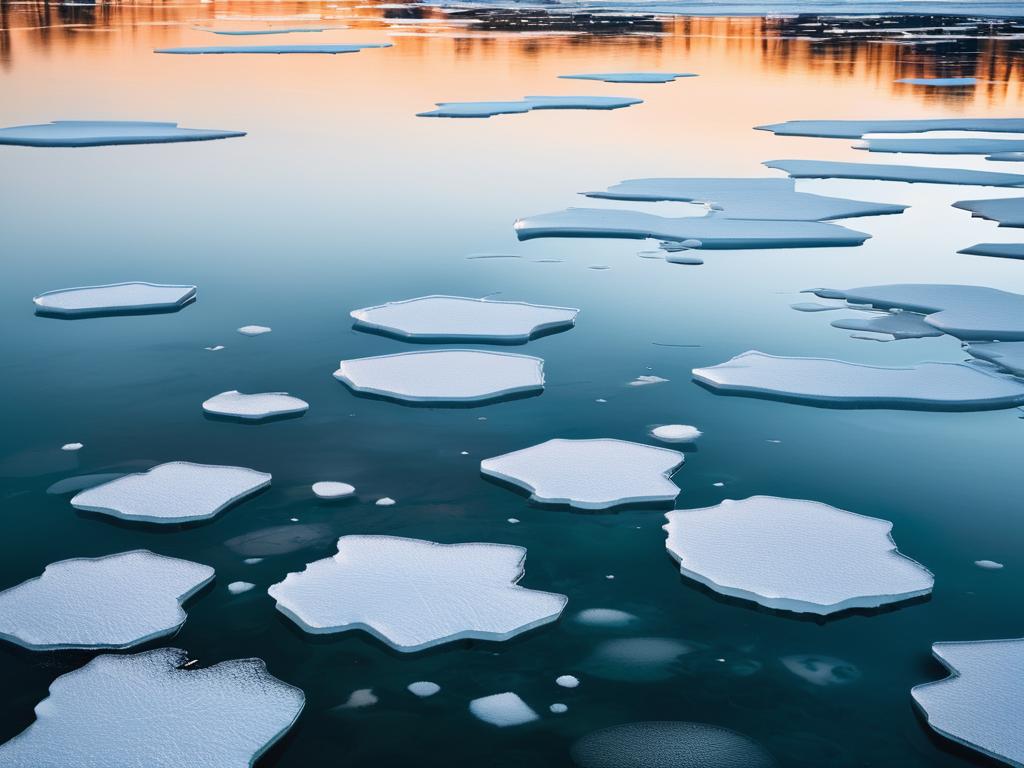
(385, 501)
(558, 708)
(989, 565)
(676, 433)
(899, 325)
(254, 330)
(216, 348)
(252, 560)
(641, 381)
(996, 250)
(940, 82)
(144, 709)
(567, 681)
(447, 318)
(114, 299)
(222, 49)
(978, 705)
(855, 129)
(115, 601)
(414, 594)
(589, 474)
(513, 520)
(812, 380)
(828, 169)
(444, 376)
(257, 407)
(605, 617)
(1008, 211)
(238, 587)
(328, 489)
(423, 688)
(100, 133)
(814, 306)
(794, 555)
(72, 446)
(502, 710)
(176, 492)
(669, 744)
(821, 670)
(630, 77)
(491, 108)
(364, 697)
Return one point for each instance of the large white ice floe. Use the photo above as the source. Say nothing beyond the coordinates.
(223, 49)
(145, 710)
(712, 232)
(502, 710)
(255, 407)
(996, 250)
(943, 146)
(329, 489)
(738, 198)
(101, 133)
(415, 594)
(527, 104)
(590, 474)
(115, 601)
(446, 318)
(855, 129)
(668, 744)
(940, 386)
(176, 492)
(828, 169)
(979, 704)
(794, 555)
(630, 77)
(969, 312)
(940, 82)
(1008, 211)
(117, 298)
(1008, 355)
(443, 376)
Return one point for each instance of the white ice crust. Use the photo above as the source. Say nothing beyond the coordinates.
(115, 601)
(415, 594)
(176, 492)
(263, 405)
(676, 433)
(114, 298)
(590, 474)
(329, 489)
(794, 555)
(502, 710)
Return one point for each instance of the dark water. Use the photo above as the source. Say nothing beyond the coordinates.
(340, 198)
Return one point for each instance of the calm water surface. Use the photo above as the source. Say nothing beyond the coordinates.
(338, 198)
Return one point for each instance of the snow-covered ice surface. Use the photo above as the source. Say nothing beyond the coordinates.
(828, 169)
(527, 104)
(979, 704)
(176, 492)
(940, 82)
(668, 744)
(240, 587)
(713, 232)
(996, 250)
(327, 489)
(145, 710)
(256, 407)
(115, 601)
(740, 198)
(415, 594)
(943, 146)
(590, 474)
(443, 376)
(1008, 355)
(117, 298)
(423, 688)
(794, 555)
(223, 49)
(101, 133)
(855, 129)
(813, 380)
(567, 681)
(676, 433)
(1008, 211)
(502, 710)
(448, 318)
(630, 77)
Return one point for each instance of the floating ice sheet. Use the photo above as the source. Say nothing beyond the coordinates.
(590, 474)
(176, 492)
(738, 198)
(114, 299)
(713, 232)
(996, 250)
(527, 104)
(899, 325)
(115, 601)
(1008, 355)
(331, 490)
(855, 129)
(1007, 157)
(101, 133)
(943, 146)
(144, 710)
(423, 688)
(813, 380)
(1008, 211)
(256, 407)
(978, 705)
(219, 49)
(668, 744)
(415, 594)
(940, 82)
(630, 77)
(254, 330)
(676, 433)
(445, 318)
(444, 376)
(827, 169)
(794, 555)
(502, 710)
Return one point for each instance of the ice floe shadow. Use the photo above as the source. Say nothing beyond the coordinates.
(253, 422)
(446, 404)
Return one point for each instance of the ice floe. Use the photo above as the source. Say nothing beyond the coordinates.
(996, 250)
(669, 744)
(988, 565)
(676, 433)
(590, 474)
(899, 325)
(943, 146)
(385, 501)
(1007, 157)
(118, 298)
(828, 169)
(1008, 211)
(176, 492)
(567, 681)
(240, 587)
(978, 705)
(327, 489)
(101, 133)
(1008, 355)
(72, 446)
(794, 555)
(257, 407)
(630, 77)
(940, 82)
(558, 708)
(446, 318)
(115, 601)
(254, 330)
(605, 617)
(502, 710)
(821, 670)
(145, 710)
(364, 697)
(949, 386)
(647, 380)
(443, 376)
(221, 49)
(423, 688)
(739, 198)
(268, 30)
(415, 594)
(711, 231)
(855, 129)
(527, 104)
